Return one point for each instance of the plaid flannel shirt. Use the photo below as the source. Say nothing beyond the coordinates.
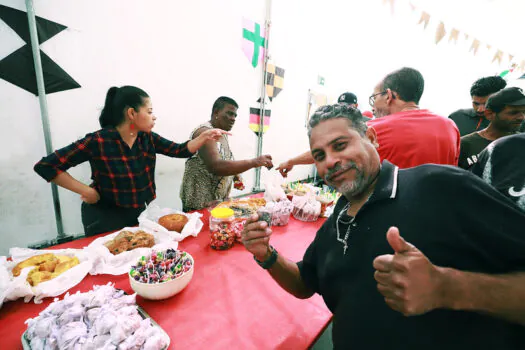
(122, 176)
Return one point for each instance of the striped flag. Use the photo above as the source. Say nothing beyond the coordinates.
(255, 119)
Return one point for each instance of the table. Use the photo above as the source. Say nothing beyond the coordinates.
(231, 303)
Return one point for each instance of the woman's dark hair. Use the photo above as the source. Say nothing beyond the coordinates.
(118, 99)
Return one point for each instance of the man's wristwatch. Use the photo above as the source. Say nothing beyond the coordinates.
(268, 262)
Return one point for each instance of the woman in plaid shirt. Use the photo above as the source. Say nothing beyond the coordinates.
(122, 156)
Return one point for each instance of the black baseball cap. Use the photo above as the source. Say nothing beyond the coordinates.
(512, 96)
(348, 98)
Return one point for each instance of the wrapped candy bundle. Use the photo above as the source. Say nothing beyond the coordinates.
(279, 212)
(306, 207)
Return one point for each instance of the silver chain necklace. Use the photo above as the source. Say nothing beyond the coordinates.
(347, 234)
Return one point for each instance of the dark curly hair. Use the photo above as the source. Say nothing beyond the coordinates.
(487, 86)
(344, 111)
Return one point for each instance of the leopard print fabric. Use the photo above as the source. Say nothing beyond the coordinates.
(199, 186)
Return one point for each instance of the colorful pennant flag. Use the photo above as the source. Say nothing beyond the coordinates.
(440, 32)
(255, 119)
(498, 56)
(274, 81)
(522, 77)
(454, 34)
(253, 41)
(425, 18)
(475, 46)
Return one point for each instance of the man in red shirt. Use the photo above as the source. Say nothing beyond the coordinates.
(409, 136)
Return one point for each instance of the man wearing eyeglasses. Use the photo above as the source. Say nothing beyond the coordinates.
(409, 136)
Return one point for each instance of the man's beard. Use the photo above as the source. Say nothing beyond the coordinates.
(350, 188)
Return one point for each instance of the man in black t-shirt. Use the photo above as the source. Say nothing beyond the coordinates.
(473, 119)
(371, 278)
(504, 110)
(502, 165)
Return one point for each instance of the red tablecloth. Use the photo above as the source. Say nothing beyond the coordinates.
(231, 303)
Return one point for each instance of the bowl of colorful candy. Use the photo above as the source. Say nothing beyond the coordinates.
(162, 274)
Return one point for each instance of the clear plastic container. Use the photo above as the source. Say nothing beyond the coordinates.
(306, 208)
(265, 214)
(221, 228)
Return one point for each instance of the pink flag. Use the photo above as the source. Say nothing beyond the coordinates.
(253, 41)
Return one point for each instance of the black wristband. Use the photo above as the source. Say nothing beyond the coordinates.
(268, 262)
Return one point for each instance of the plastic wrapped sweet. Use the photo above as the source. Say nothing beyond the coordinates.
(279, 212)
(306, 208)
(115, 324)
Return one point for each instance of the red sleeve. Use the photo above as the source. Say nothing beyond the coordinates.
(59, 161)
(170, 148)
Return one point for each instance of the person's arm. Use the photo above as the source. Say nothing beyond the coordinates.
(493, 234)
(188, 148)
(53, 168)
(256, 238)
(87, 194)
(215, 165)
(412, 285)
(497, 295)
(285, 167)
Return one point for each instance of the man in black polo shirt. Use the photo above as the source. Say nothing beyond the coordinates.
(369, 289)
(504, 110)
(473, 119)
(502, 165)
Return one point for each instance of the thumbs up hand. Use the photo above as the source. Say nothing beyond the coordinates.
(408, 281)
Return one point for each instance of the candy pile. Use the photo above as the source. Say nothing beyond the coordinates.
(238, 183)
(306, 208)
(279, 212)
(237, 226)
(223, 234)
(103, 318)
(161, 266)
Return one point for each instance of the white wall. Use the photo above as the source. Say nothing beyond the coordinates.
(187, 53)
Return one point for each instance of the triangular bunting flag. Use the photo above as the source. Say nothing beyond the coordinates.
(522, 77)
(475, 46)
(274, 81)
(454, 34)
(253, 41)
(511, 57)
(440, 32)
(489, 46)
(412, 6)
(498, 56)
(425, 18)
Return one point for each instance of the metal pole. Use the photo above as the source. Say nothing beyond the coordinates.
(35, 45)
(267, 24)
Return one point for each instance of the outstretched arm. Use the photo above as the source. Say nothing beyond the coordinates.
(285, 167)
(215, 165)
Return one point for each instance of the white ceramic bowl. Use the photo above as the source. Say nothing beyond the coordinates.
(164, 290)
